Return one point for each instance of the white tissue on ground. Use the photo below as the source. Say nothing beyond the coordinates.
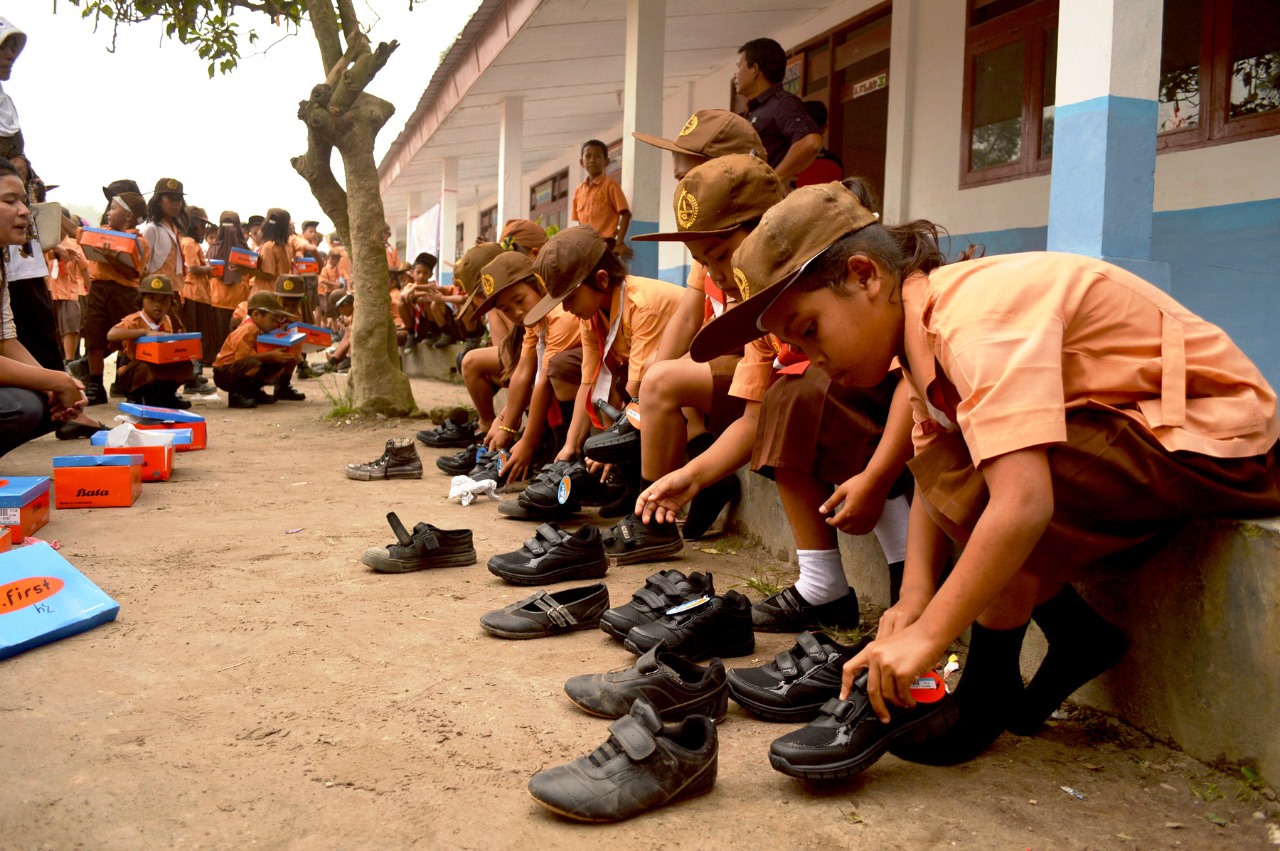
(466, 489)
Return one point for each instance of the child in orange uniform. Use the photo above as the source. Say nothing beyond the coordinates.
(239, 369)
(1065, 411)
(150, 383)
(275, 256)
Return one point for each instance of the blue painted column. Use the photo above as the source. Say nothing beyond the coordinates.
(642, 110)
(1102, 189)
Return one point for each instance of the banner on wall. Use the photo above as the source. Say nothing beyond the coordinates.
(424, 234)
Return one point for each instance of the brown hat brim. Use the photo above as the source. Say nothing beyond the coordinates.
(685, 236)
(548, 304)
(665, 144)
(468, 304)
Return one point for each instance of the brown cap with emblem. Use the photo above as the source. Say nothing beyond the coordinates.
(720, 196)
(509, 269)
(711, 133)
(168, 186)
(794, 231)
(156, 285)
(527, 234)
(263, 300)
(563, 265)
(466, 272)
(291, 286)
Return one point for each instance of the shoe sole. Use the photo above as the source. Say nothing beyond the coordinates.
(672, 714)
(386, 564)
(658, 552)
(518, 636)
(696, 787)
(790, 715)
(722, 652)
(450, 444)
(917, 731)
(513, 509)
(564, 574)
(616, 634)
(369, 477)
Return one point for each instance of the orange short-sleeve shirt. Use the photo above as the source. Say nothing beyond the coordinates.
(646, 308)
(240, 344)
(72, 281)
(196, 284)
(561, 330)
(1003, 347)
(598, 202)
(137, 322)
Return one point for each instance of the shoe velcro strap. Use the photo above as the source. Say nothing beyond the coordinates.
(786, 600)
(835, 706)
(550, 534)
(428, 539)
(650, 598)
(402, 534)
(786, 664)
(811, 647)
(636, 740)
(534, 546)
(664, 584)
(558, 614)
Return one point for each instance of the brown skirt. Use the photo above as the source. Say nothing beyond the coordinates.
(813, 427)
(136, 375)
(1114, 488)
(204, 318)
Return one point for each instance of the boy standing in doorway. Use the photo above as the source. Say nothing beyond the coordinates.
(598, 201)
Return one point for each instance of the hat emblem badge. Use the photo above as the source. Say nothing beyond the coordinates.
(689, 126)
(744, 286)
(157, 284)
(171, 183)
(486, 281)
(686, 209)
(541, 282)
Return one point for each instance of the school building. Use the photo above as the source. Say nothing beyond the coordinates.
(1143, 131)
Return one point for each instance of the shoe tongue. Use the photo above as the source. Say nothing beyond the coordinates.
(648, 663)
(643, 711)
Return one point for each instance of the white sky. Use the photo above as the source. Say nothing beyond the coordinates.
(150, 110)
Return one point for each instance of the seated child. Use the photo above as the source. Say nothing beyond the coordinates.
(150, 383)
(395, 280)
(621, 318)
(1065, 411)
(425, 305)
(239, 369)
(482, 368)
(341, 308)
(509, 284)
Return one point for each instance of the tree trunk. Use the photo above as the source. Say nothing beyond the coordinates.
(340, 114)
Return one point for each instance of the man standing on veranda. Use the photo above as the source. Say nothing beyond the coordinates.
(790, 137)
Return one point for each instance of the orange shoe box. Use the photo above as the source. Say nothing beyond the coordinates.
(317, 337)
(97, 481)
(219, 268)
(6, 539)
(243, 257)
(291, 340)
(306, 266)
(92, 239)
(157, 461)
(168, 418)
(168, 348)
(24, 505)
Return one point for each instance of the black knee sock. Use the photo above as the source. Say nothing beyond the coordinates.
(895, 582)
(989, 690)
(1081, 646)
(707, 505)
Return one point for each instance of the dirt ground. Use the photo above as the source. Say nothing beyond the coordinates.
(265, 689)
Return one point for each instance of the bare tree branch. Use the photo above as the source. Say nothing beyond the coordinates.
(347, 16)
(324, 22)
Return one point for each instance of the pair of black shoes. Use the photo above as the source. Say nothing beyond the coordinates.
(562, 489)
(451, 434)
(553, 555)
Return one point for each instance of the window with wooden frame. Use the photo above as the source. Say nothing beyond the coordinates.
(489, 224)
(1219, 72)
(1011, 56)
(549, 200)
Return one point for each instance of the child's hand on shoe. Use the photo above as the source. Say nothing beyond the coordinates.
(661, 502)
(516, 467)
(892, 664)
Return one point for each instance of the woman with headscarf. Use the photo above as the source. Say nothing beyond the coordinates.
(231, 288)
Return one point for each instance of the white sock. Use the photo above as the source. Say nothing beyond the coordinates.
(891, 530)
(822, 576)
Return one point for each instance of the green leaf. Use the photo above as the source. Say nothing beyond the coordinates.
(1216, 819)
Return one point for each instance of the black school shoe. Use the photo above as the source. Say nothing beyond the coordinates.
(618, 444)
(796, 684)
(460, 462)
(545, 613)
(645, 764)
(553, 555)
(427, 547)
(716, 626)
(674, 686)
(787, 611)
(451, 434)
(631, 540)
(561, 490)
(847, 737)
(663, 590)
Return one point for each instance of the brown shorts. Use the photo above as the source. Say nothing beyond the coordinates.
(725, 409)
(109, 302)
(1114, 487)
(67, 316)
(813, 427)
(135, 375)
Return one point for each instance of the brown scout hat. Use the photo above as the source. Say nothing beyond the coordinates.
(466, 272)
(264, 300)
(117, 187)
(507, 270)
(168, 186)
(290, 286)
(527, 234)
(795, 231)
(156, 285)
(711, 133)
(563, 264)
(135, 202)
(719, 196)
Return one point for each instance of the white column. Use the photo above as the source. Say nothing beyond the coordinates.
(902, 63)
(412, 206)
(513, 198)
(448, 210)
(642, 110)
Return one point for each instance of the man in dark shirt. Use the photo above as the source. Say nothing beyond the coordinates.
(790, 137)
